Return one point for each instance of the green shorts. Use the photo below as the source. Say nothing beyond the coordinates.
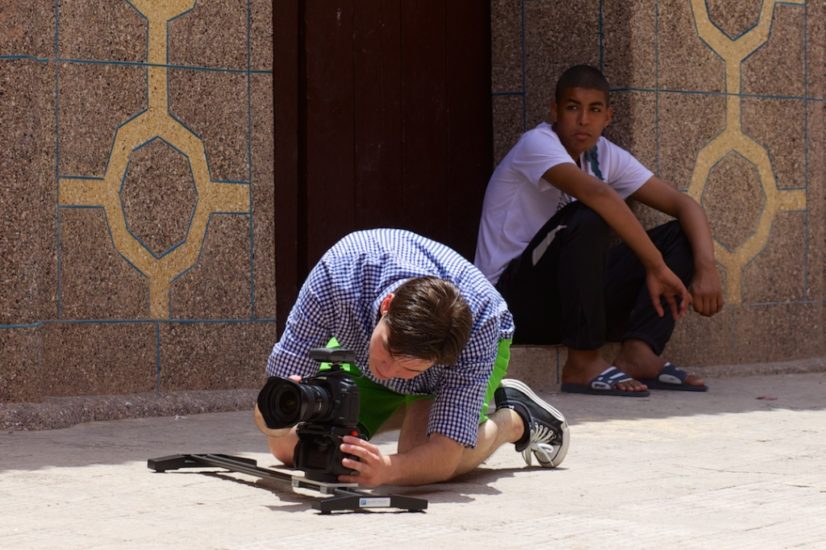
(378, 403)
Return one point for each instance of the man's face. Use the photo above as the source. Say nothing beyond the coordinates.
(384, 366)
(579, 117)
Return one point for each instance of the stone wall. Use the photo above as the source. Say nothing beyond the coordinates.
(136, 233)
(136, 162)
(726, 101)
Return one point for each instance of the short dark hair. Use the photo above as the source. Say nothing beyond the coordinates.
(428, 319)
(582, 76)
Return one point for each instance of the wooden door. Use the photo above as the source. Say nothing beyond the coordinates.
(382, 119)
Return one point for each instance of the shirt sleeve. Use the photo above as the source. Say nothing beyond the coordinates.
(308, 326)
(459, 397)
(537, 152)
(626, 173)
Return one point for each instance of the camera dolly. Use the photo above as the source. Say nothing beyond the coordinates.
(345, 496)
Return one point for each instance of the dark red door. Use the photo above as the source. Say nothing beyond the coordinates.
(382, 119)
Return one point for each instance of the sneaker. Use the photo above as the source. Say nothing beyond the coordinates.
(546, 434)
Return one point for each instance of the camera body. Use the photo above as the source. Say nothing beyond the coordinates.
(325, 407)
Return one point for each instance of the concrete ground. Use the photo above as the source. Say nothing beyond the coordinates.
(743, 466)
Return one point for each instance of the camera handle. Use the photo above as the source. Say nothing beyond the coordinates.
(345, 496)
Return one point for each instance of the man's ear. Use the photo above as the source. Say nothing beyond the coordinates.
(385, 304)
(609, 111)
(552, 114)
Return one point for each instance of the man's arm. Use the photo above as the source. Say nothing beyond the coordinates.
(601, 198)
(706, 288)
(430, 462)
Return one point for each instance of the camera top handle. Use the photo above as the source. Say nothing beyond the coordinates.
(334, 356)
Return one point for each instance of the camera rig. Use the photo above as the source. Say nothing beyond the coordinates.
(343, 496)
(325, 407)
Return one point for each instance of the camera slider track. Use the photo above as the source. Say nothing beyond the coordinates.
(345, 496)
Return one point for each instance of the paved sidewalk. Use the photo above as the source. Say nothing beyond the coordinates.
(743, 466)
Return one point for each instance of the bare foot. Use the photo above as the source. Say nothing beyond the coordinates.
(637, 359)
(583, 366)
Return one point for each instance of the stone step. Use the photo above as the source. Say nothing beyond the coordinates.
(541, 366)
(537, 366)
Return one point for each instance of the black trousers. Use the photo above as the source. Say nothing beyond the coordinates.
(571, 287)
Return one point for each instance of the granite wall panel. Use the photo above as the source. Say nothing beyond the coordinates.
(27, 28)
(215, 355)
(94, 101)
(263, 197)
(99, 358)
(102, 31)
(630, 45)
(552, 43)
(218, 286)
(27, 194)
(214, 105)
(211, 34)
(779, 332)
(128, 203)
(509, 123)
(21, 376)
(96, 281)
(687, 123)
(685, 61)
(261, 49)
(778, 66)
(781, 127)
(506, 45)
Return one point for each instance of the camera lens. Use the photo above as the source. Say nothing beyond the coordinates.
(284, 403)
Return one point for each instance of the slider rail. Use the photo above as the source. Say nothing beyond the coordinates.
(344, 496)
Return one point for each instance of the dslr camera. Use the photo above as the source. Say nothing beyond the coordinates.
(325, 407)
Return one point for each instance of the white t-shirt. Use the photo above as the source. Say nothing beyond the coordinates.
(518, 201)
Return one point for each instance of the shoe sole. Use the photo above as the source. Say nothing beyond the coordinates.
(562, 449)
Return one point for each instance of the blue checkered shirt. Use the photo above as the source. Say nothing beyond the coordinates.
(341, 299)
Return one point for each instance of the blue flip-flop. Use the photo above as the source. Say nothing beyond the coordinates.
(672, 377)
(605, 383)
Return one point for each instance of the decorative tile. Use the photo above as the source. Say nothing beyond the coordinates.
(734, 18)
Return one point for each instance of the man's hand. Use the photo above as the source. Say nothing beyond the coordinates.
(663, 283)
(707, 291)
(372, 466)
